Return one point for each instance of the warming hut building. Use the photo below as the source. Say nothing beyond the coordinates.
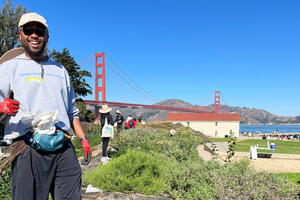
(211, 124)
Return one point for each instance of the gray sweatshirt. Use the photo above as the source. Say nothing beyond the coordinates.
(39, 87)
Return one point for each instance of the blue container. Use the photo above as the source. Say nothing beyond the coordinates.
(272, 146)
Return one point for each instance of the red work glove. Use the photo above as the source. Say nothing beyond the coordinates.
(9, 106)
(87, 153)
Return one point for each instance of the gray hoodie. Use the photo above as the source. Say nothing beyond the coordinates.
(39, 87)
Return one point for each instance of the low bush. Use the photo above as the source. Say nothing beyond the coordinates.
(181, 146)
(169, 163)
(169, 125)
(209, 180)
(165, 125)
(5, 184)
(134, 171)
(238, 180)
(189, 180)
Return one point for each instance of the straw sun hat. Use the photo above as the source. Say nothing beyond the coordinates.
(118, 111)
(105, 109)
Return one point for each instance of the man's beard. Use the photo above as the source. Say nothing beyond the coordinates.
(35, 53)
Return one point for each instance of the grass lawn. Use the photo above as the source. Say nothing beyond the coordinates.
(288, 147)
(219, 139)
(295, 177)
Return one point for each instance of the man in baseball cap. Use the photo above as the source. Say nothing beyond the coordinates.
(34, 35)
(32, 17)
(41, 85)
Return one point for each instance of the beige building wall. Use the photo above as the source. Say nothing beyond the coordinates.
(214, 128)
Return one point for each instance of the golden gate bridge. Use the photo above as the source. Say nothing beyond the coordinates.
(100, 70)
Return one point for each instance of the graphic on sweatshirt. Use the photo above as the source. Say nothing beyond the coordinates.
(36, 80)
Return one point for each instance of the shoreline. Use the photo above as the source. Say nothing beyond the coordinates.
(270, 124)
(271, 134)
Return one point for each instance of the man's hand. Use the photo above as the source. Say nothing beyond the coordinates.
(9, 106)
(87, 153)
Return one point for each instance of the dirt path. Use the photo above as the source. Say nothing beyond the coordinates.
(276, 165)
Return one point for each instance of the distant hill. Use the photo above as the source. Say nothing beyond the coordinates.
(248, 115)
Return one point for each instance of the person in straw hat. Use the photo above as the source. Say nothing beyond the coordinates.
(119, 119)
(40, 84)
(105, 116)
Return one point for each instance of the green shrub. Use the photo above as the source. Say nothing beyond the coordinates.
(239, 180)
(5, 184)
(182, 174)
(165, 125)
(181, 146)
(209, 180)
(169, 125)
(132, 172)
(189, 180)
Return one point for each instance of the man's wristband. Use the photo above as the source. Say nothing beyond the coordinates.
(83, 138)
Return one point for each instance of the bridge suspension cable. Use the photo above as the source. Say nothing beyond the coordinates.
(139, 90)
(86, 60)
(122, 75)
(129, 80)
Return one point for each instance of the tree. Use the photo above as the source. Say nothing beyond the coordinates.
(9, 19)
(90, 116)
(231, 147)
(84, 113)
(77, 76)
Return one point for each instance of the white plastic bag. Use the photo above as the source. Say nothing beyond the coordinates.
(44, 122)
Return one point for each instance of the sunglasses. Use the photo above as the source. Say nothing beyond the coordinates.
(27, 30)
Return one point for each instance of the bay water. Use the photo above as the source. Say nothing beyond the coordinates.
(270, 128)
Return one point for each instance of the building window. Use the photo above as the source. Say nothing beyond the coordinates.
(188, 123)
(216, 123)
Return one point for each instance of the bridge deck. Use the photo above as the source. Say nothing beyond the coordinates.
(143, 106)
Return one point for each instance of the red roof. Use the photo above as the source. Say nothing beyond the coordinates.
(203, 117)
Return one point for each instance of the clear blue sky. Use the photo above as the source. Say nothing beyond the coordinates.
(249, 49)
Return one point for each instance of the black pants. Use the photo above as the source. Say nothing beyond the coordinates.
(35, 174)
(105, 141)
(119, 129)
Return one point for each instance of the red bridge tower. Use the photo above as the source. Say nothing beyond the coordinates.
(217, 101)
(99, 74)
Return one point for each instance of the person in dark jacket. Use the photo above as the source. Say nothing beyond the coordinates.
(130, 124)
(105, 115)
(119, 119)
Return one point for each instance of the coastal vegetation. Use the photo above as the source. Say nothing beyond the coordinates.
(152, 160)
(5, 184)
